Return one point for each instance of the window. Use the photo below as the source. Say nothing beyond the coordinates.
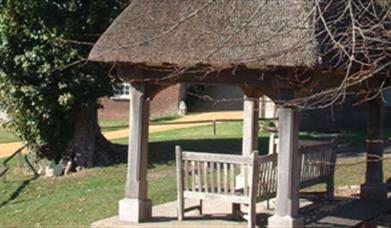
(121, 91)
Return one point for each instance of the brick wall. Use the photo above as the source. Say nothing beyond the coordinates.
(164, 104)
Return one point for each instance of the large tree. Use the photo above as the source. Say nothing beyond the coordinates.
(47, 88)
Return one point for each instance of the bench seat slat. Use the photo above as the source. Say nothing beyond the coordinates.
(218, 197)
(313, 181)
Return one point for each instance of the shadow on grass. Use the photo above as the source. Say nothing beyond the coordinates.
(164, 152)
(16, 193)
(24, 184)
(114, 128)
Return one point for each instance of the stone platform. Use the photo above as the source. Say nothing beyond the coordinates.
(216, 214)
(342, 212)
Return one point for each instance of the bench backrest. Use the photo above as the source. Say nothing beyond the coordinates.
(217, 173)
(317, 164)
(214, 173)
(267, 176)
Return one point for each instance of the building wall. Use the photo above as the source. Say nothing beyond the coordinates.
(341, 117)
(228, 98)
(334, 119)
(217, 98)
(164, 104)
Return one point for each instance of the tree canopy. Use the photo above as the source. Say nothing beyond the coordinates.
(44, 78)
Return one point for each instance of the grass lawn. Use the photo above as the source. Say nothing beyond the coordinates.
(114, 125)
(82, 198)
(228, 140)
(6, 137)
(106, 126)
(353, 138)
(75, 200)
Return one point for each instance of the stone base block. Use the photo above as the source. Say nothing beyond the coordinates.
(135, 210)
(373, 192)
(285, 221)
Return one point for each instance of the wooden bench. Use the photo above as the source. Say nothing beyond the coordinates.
(207, 176)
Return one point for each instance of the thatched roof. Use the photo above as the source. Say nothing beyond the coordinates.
(218, 33)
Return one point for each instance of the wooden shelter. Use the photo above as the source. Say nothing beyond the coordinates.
(264, 47)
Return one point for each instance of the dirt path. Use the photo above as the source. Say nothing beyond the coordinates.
(7, 149)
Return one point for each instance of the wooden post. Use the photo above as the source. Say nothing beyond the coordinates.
(250, 125)
(250, 136)
(272, 144)
(136, 207)
(214, 127)
(288, 172)
(263, 106)
(330, 185)
(253, 190)
(374, 188)
(180, 199)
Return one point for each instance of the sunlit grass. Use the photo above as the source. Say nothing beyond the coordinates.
(82, 198)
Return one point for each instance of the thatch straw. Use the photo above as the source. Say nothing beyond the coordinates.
(218, 33)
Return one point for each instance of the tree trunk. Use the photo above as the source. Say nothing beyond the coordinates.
(89, 147)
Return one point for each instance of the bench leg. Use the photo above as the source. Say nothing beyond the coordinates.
(181, 208)
(235, 208)
(200, 207)
(251, 216)
(330, 189)
(267, 204)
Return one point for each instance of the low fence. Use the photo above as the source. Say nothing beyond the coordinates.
(213, 122)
